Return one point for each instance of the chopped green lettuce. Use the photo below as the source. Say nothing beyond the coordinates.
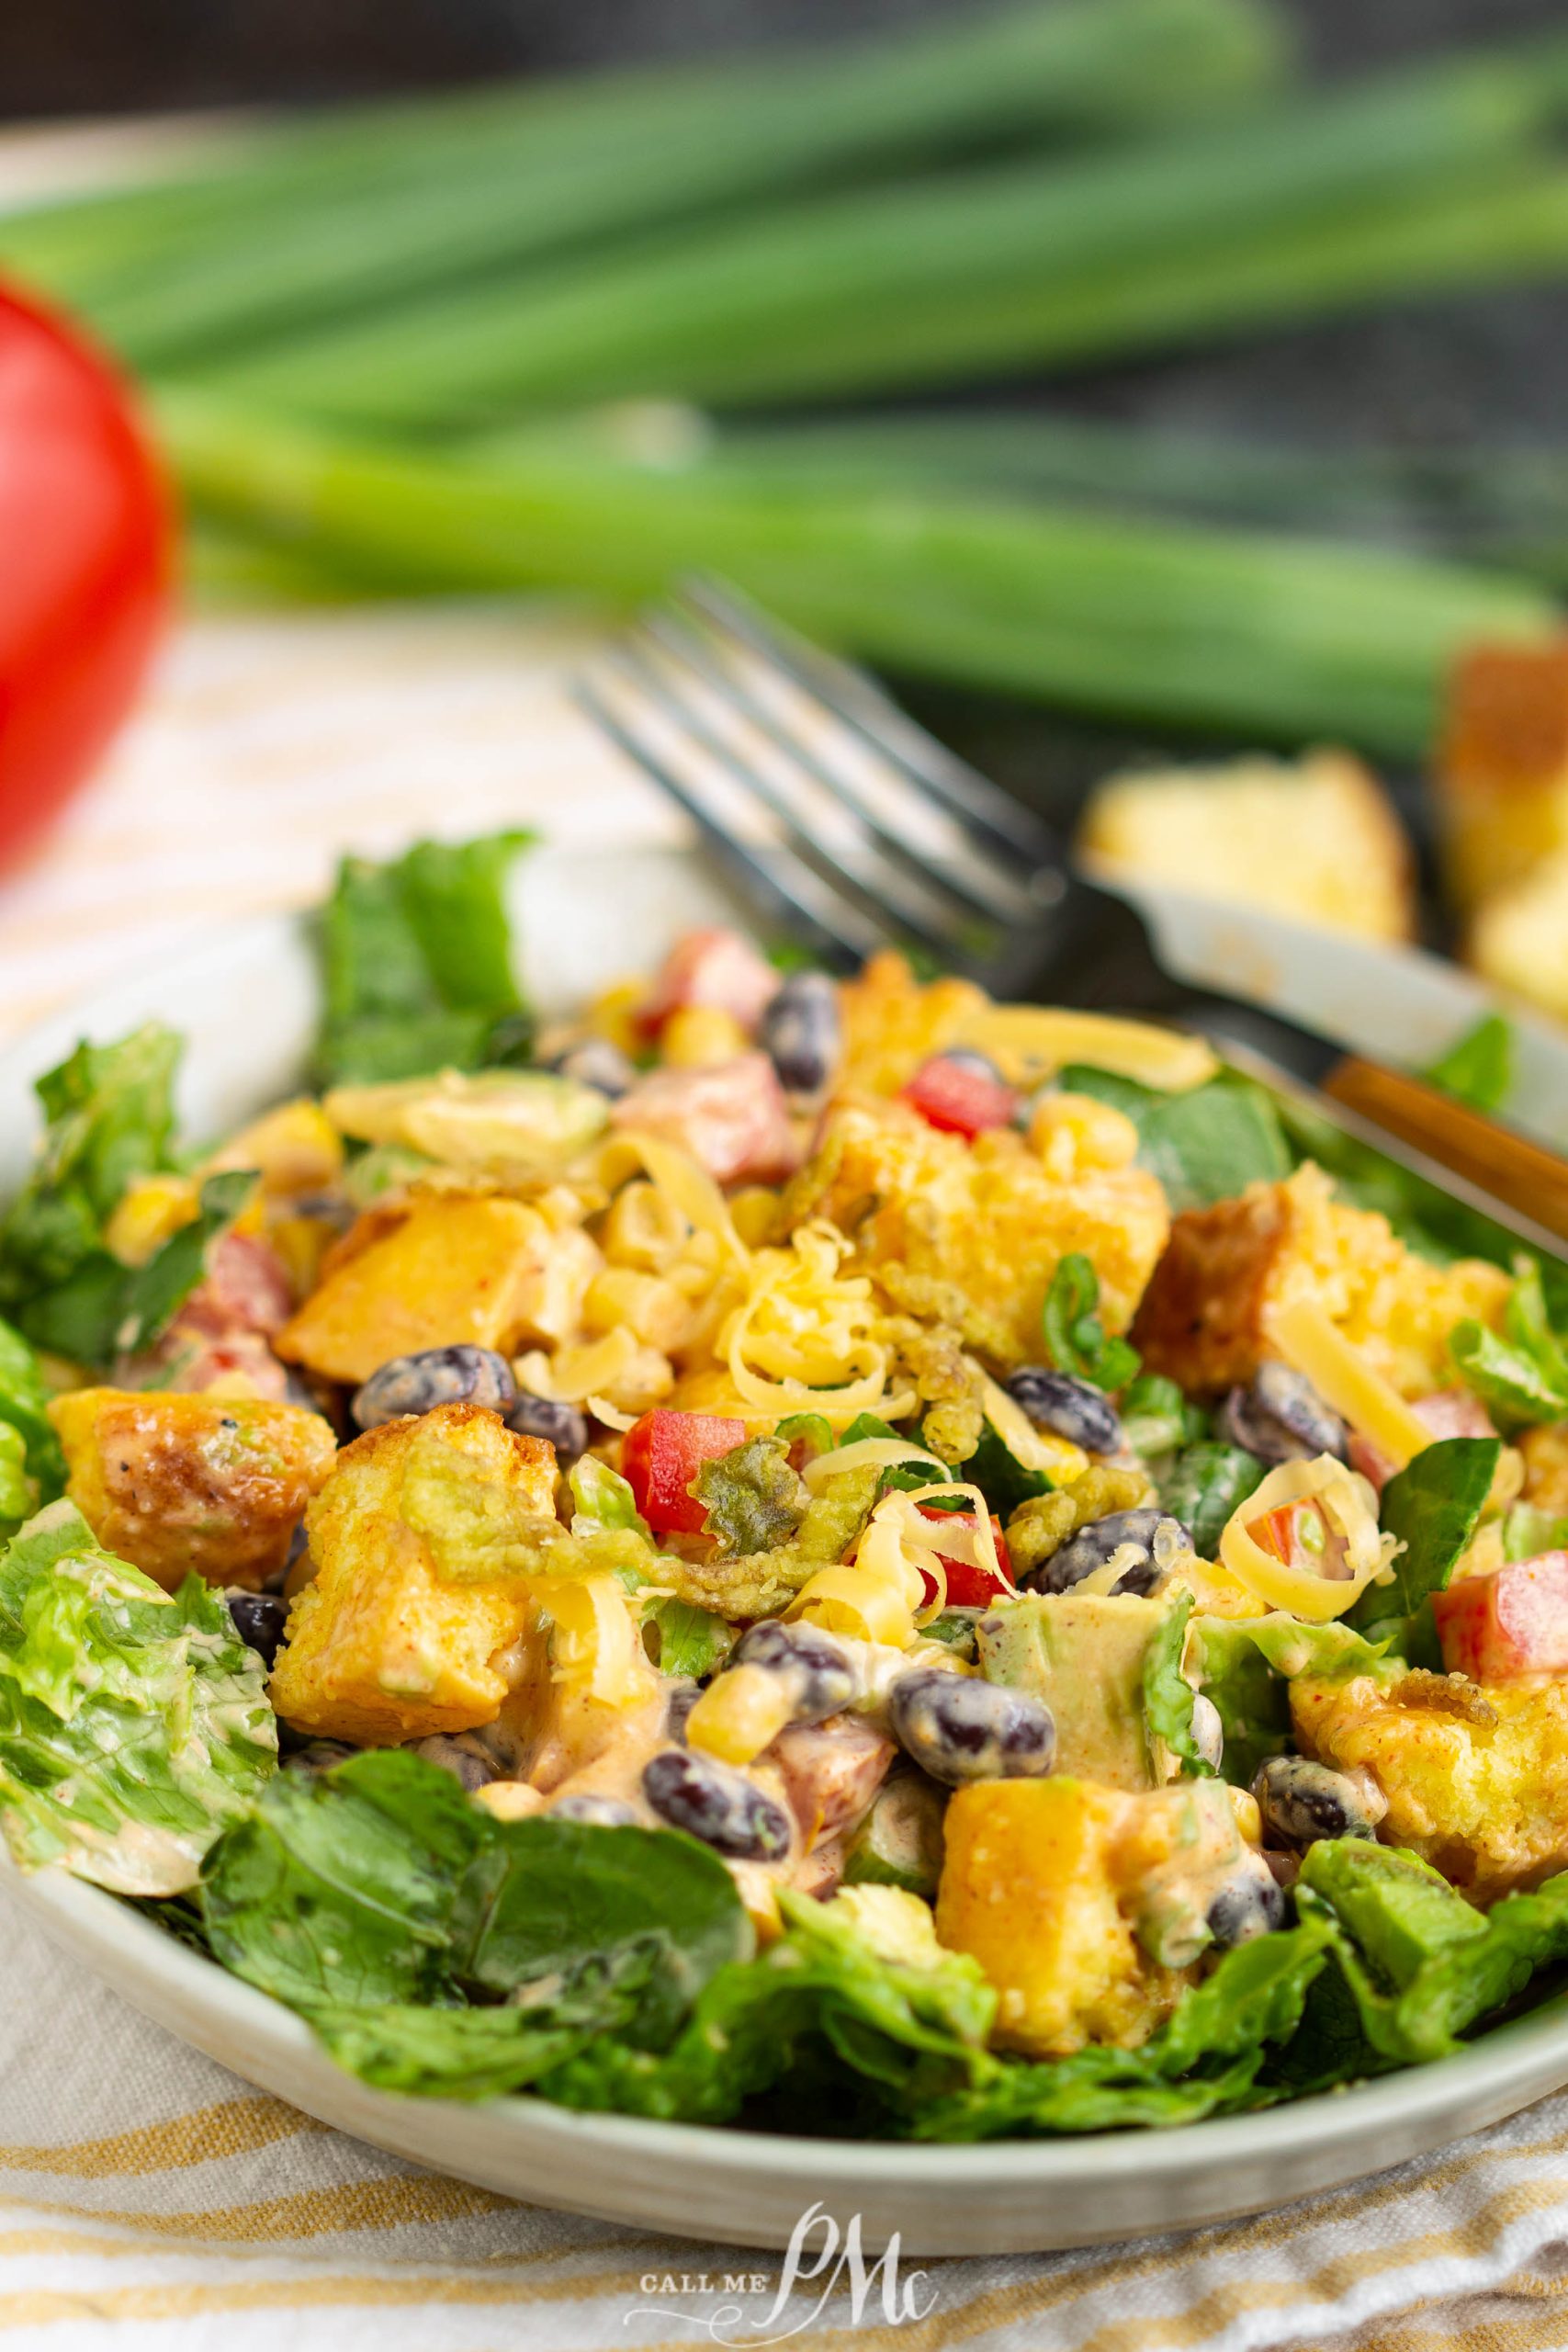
(134, 1725)
(1432, 1505)
(1243, 1664)
(1520, 1373)
(417, 962)
(1478, 1068)
(34, 1465)
(1528, 1531)
(1076, 1339)
(1156, 1418)
(690, 1640)
(1169, 1696)
(106, 1308)
(109, 1119)
(602, 1498)
(1203, 1487)
(1205, 1145)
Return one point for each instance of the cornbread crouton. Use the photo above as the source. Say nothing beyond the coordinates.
(893, 1023)
(1502, 772)
(437, 1269)
(1203, 1320)
(1482, 1793)
(1315, 838)
(178, 1484)
(972, 1234)
(1029, 1889)
(1517, 938)
(421, 1539)
(1545, 1456)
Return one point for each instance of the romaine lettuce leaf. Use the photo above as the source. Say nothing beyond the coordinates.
(108, 1112)
(34, 1467)
(134, 1725)
(691, 1640)
(1243, 1664)
(1076, 1339)
(106, 1308)
(417, 962)
(482, 2053)
(1167, 1695)
(1521, 1373)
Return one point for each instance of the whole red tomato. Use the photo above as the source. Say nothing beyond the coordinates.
(86, 556)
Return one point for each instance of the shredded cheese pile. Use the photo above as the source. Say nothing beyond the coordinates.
(882, 1595)
(1350, 1506)
(801, 1328)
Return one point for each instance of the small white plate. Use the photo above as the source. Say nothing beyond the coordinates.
(247, 1007)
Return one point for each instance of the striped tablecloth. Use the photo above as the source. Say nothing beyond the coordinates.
(148, 2199)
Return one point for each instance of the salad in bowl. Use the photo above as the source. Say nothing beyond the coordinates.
(819, 1555)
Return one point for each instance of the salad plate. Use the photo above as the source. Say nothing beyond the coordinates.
(247, 1006)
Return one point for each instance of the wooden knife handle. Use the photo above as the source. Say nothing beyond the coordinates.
(1510, 1167)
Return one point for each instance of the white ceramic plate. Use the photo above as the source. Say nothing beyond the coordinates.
(247, 1006)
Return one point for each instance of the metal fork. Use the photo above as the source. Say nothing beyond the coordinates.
(846, 824)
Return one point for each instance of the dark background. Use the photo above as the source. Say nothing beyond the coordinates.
(1494, 367)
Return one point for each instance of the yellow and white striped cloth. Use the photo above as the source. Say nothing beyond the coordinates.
(147, 2198)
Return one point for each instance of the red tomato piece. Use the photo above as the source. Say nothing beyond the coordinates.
(86, 528)
(1513, 1621)
(967, 1586)
(716, 968)
(663, 1455)
(960, 1101)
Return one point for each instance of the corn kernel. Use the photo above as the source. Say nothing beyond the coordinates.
(295, 1148)
(150, 1211)
(696, 1035)
(738, 1715)
(644, 1304)
(301, 1243)
(755, 1215)
(1073, 1133)
(1248, 1819)
(509, 1800)
(613, 1011)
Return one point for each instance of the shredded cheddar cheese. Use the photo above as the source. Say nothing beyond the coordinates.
(1343, 1379)
(1348, 1505)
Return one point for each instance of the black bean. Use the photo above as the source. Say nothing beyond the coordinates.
(818, 1670)
(1280, 1417)
(1302, 1801)
(1154, 1537)
(598, 1812)
(958, 1729)
(680, 1698)
(546, 1417)
(595, 1062)
(460, 1374)
(717, 1803)
(1075, 1409)
(468, 1763)
(259, 1620)
(320, 1755)
(1250, 1903)
(801, 1031)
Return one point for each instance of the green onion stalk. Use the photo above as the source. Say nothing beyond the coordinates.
(1178, 625)
(370, 207)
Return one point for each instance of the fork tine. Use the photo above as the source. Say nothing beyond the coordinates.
(1012, 830)
(902, 894)
(792, 891)
(951, 866)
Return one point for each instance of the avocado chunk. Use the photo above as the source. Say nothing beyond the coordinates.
(1083, 1655)
(520, 1124)
(1400, 1910)
(899, 1843)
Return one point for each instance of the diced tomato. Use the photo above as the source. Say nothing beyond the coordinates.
(1300, 1535)
(1513, 1621)
(731, 1117)
(1451, 1413)
(716, 968)
(959, 1100)
(663, 1455)
(969, 1587)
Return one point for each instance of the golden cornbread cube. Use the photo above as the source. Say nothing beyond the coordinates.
(973, 1233)
(421, 1539)
(1314, 838)
(210, 1485)
(1501, 770)
(1028, 1890)
(893, 1023)
(442, 1268)
(1517, 936)
(1475, 1775)
(1203, 1322)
